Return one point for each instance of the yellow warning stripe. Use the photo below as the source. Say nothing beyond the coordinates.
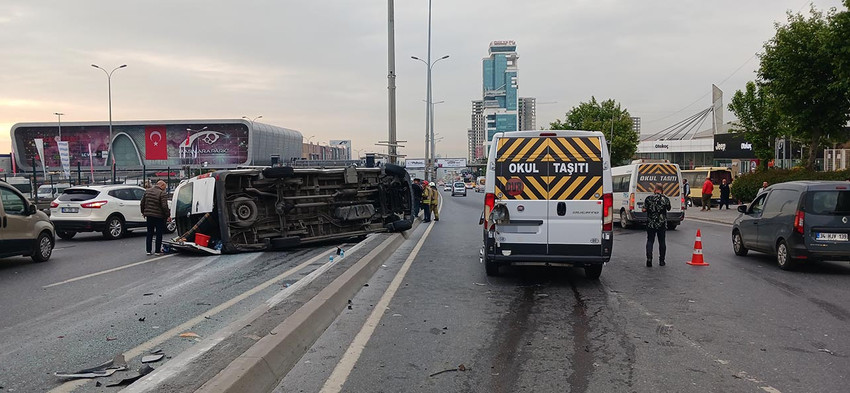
(580, 142)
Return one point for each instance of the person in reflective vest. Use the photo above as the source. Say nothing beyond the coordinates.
(426, 201)
(435, 202)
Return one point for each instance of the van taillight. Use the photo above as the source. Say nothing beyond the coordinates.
(607, 212)
(53, 204)
(489, 202)
(798, 221)
(632, 201)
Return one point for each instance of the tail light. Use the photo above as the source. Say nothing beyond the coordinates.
(608, 212)
(93, 205)
(798, 221)
(489, 202)
(632, 201)
(54, 205)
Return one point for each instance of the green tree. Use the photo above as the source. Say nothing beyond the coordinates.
(606, 116)
(758, 121)
(798, 68)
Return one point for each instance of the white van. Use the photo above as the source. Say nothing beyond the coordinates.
(548, 201)
(636, 181)
(51, 191)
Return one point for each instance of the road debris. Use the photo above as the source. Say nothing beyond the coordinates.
(111, 338)
(142, 319)
(156, 351)
(147, 294)
(144, 370)
(480, 284)
(189, 335)
(826, 351)
(152, 358)
(104, 370)
(460, 367)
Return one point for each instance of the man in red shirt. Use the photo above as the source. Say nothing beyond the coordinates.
(707, 189)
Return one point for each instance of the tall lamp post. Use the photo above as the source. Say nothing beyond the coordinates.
(109, 89)
(429, 130)
(252, 120)
(59, 116)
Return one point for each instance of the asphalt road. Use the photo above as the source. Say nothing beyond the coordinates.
(738, 325)
(74, 311)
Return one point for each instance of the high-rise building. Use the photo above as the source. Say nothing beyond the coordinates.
(527, 111)
(475, 135)
(636, 124)
(500, 88)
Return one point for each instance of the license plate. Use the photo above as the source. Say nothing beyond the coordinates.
(70, 210)
(837, 237)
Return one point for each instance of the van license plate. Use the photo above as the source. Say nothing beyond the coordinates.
(839, 237)
(77, 210)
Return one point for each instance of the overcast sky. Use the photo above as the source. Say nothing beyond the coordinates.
(320, 66)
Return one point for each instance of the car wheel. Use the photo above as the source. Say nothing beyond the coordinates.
(171, 226)
(491, 267)
(43, 247)
(66, 235)
(783, 258)
(738, 244)
(593, 272)
(115, 228)
(672, 225)
(244, 212)
(624, 222)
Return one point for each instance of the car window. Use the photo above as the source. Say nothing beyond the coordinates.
(621, 183)
(78, 195)
(125, 194)
(184, 200)
(757, 206)
(781, 201)
(829, 202)
(138, 193)
(12, 203)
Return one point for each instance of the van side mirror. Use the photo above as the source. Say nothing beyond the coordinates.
(31, 209)
(742, 209)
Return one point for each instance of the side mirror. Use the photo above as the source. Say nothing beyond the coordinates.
(742, 209)
(481, 220)
(31, 209)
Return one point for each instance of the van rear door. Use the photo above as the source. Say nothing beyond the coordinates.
(666, 175)
(827, 221)
(520, 185)
(575, 178)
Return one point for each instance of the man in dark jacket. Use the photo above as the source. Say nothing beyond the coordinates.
(724, 195)
(155, 209)
(417, 196)
(656, 207)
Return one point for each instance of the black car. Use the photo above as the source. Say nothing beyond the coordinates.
(796, 221)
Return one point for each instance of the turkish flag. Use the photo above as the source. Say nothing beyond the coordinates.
(156, 147)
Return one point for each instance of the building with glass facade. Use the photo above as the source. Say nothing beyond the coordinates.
(500, 88)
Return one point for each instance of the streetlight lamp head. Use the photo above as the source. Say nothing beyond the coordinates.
(260, 116)
(444, 57)
(124, 65)
(415, 58)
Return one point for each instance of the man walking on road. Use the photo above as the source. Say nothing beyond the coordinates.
(724, 195)
(435, 202)
(426, 201)
(707, 189)
(686, 189)
(417, 197)
(656, 207)
(154, 207)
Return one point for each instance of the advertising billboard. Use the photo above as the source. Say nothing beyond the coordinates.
(154, 145)
(451, 163)
(414, 163)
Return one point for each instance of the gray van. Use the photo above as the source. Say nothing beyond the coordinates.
(796, 221)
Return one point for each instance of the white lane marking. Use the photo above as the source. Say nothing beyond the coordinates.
(107, 271)
(349, 359)
(201, 317)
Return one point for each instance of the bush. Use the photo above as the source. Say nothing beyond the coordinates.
(746, 186)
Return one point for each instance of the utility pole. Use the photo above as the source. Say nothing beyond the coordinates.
(392, 149)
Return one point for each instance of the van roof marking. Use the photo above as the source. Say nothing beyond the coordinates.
(590, 153)
(503, 155)
(569, 147)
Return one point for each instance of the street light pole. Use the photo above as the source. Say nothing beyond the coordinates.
(109, 89)
(59, 116)
(392, 149)
(429, 129)
(252, 120)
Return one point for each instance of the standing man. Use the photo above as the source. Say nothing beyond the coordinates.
(707, 189)
(154, 207)
(763, 187)
(724, 195)
(686, 188)
(656, 207)
(417, 196)
(426, 201)
(435, 202)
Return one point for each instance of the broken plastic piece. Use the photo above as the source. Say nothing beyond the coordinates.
(144, 370)
(189, 335)
(151, 358)
(104, 370)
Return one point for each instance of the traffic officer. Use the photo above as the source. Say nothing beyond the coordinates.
(656, 207)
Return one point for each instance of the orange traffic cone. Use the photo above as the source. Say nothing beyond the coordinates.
(696, 260)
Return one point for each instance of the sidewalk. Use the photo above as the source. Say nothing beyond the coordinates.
(722, 216)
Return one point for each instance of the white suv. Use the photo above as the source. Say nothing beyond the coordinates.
(111, 209)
